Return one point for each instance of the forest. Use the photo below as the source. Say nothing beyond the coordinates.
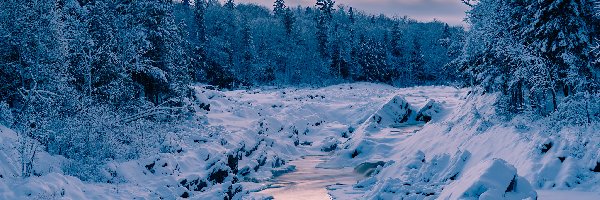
(102, 81)
(68, 64)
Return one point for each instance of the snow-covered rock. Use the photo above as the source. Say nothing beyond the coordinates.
(330, 144)
(491, 179)
(395, 111)
(430, 111)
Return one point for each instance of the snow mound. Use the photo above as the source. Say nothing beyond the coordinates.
(396, 111)
(430, 111)
(491, 179)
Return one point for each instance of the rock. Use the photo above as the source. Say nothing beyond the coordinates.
(330, 144)
(367, 168)
(396, 111)
(431, 110)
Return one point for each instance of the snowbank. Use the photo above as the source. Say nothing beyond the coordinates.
(461, 141)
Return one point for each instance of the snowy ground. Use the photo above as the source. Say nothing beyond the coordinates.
(250, 140)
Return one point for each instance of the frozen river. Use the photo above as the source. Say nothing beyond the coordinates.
(309, 182)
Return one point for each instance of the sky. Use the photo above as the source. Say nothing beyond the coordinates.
(449, 11)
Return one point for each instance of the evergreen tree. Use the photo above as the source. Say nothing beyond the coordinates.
(230, 4)
(351, 15)
(534, 52)
(247, 55)
(288, 21)
(279, 8)
(323, 20)
(396, 41)
(445, 37)
(416, 63)
(562, 32)
(201, 62)
(372, 59)
(326, 7)
(339, 66)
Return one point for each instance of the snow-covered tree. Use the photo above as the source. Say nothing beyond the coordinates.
(372, 58)
(534, 52)
(417, 62)
(279, 8)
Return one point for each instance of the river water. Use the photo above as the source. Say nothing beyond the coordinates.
(309, 182)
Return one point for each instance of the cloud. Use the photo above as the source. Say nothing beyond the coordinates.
(449, 11)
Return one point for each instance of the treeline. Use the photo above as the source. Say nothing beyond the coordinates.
(538, 54)
(245, 45)
(98, 80)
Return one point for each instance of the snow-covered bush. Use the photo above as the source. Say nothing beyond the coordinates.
(101, 133)
(6, 117)
(579, 109)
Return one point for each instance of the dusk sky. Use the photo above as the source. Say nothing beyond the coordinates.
(449, 11)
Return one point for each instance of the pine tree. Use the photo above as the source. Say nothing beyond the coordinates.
(200, 60)
(230, 4)
(416, 63)
(445, 37)
(396, 41)
(351, 15)
(288, 21)
(247, 55)
(339, 66)
(534, 52)
(323, 20)
(562, 32)
(326, 7)
(159, 76)
(279, 8)
(372, 59)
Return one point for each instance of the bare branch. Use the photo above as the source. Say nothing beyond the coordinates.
(159, 109)
(468, 2)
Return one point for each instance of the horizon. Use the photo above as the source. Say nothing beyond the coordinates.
(448, 11)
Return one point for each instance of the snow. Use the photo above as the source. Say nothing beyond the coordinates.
(467, 133)
(492, 179)
(369, 135)
(567, 194)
